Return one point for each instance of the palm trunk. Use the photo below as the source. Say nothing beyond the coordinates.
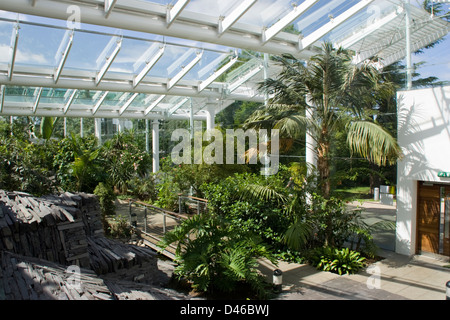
(323, 165)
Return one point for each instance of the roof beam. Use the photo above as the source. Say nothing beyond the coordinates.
(226, 22)
(70, 101)
(184, 71)
(109, 6)
(13, 49)
(355, 38)
(245, 78)
(174, 11)
(154, 104)
(109, 59)
(64, 54)
(178, 106)
(127, 104)
(38, 98)
(216, 74)
(188, 89)
(335, 22)
(99, 103)
(152, 20)
(286, 20)
(149, 65)
(17, 109)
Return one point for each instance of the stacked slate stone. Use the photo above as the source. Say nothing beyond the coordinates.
(65, 229)
(25, 278)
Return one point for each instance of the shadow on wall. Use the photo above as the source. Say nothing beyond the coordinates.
(424, 136)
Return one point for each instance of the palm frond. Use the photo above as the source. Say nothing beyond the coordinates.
(373, 142)
(297, 234)
(264, 193)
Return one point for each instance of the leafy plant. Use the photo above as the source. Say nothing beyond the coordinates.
(340, 261)
(124, 159)
(119, 228)
(216, 256)
(106, 198)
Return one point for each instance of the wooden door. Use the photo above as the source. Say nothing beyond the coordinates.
(446, 221)
(428, 218)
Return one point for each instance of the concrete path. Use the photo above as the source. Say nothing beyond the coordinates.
(396, 277)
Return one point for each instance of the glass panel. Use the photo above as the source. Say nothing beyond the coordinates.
(6, 29)
(214, 8)
(32, 49)
(267, 12)
(86, 49)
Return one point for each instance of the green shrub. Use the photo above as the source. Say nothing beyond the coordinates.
(340, 261)
(119, 228)
(106, 197)
(216, 257)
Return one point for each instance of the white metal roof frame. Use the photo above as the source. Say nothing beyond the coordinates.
(149, 97)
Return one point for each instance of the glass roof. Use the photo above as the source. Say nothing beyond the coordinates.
(140, 58)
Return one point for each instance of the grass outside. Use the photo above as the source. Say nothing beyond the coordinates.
(354, 194)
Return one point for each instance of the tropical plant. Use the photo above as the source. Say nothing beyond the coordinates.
(340, 261)
(48, 125)
(335, 92)
(106, 198)
(124, 159)
(216, 256)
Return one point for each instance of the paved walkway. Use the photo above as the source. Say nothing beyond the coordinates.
(397, 277)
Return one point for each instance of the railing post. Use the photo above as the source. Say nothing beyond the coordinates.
(164, 223)
(145, 219)
(129, 213)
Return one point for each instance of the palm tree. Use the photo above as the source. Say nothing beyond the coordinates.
(338, 92)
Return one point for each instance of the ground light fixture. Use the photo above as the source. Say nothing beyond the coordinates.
(278, 279)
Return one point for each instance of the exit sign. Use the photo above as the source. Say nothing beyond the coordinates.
(444, 174)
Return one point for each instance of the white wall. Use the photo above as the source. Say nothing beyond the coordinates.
(424, 135)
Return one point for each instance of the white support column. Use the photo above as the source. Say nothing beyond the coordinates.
(191, 119)
(409, 66)
(65, 127)
(147, 136)
(311, 144)
(210, 115)
(2, 100)
(81, 128)
(98, 130)
(155, 145)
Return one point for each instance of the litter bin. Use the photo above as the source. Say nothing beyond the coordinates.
(376, 194)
